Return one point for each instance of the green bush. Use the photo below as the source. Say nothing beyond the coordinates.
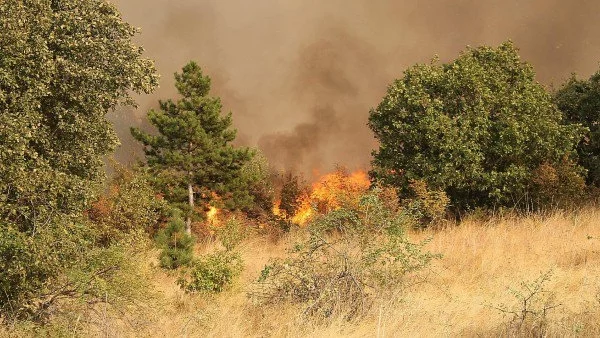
(128, 205)
(61, 267)
(579, 100)
(476, 128)
(232, 232)
(211, 273)
(257, 176)
(429, 206)
(349, 257)
(557, 185)
(21, 272)
(177, 246)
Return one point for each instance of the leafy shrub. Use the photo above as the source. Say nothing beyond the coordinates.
(21, 272)
(257, 175)
(62, 267)
(475, 128)
(431, 206)
(292, 188)
(211, 273)
(579, 100)
(232, 232)
(349, 257)
(177, 246)
(128, 205)
(558, 184)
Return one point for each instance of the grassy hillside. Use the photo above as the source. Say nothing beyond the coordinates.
(471, 291)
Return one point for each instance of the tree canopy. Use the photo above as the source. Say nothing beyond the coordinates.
(579, 100)
(192, 153)
(64, 64)
(477, 128)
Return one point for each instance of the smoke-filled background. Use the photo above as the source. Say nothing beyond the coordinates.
(301, 75)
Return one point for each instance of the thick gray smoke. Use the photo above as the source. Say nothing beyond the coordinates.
(301, 75)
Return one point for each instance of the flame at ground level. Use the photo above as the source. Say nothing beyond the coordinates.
(330, 192)
(277, 208)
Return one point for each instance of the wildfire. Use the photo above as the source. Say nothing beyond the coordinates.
(330, 192)
(276, 208)
(304, 212)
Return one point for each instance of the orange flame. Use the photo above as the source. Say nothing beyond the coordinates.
(331, 192)
(304, 212)
(276, 208)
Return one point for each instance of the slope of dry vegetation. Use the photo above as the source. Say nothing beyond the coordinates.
(469, 292)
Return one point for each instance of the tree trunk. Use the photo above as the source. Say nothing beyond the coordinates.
(188, 223)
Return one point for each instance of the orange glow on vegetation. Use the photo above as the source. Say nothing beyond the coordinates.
(212, 214)
(330, 192)
(305, 211)
(276, 208)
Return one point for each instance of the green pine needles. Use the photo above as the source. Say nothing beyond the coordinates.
(192, 156)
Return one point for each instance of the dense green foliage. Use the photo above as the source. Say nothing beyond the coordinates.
(475, 128)
(177, 246)
(64, 65)
(212, 273)
(62, 265)
(128, 206)
(579, 100)
(231, 232)
(256, 174)
(193, 151)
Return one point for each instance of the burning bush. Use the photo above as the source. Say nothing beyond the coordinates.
(330, 192)
(292, 189)
(350, 255)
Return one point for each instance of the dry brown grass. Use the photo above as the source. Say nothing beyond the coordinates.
(481, 260)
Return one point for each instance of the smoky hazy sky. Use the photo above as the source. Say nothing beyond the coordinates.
(301, 75)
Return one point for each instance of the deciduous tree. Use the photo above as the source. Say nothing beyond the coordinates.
(64, 64)
(579, 100)
(476, 128)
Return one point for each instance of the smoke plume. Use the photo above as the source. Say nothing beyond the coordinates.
(301, 76)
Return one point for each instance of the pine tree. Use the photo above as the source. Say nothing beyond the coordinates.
(192, 155)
